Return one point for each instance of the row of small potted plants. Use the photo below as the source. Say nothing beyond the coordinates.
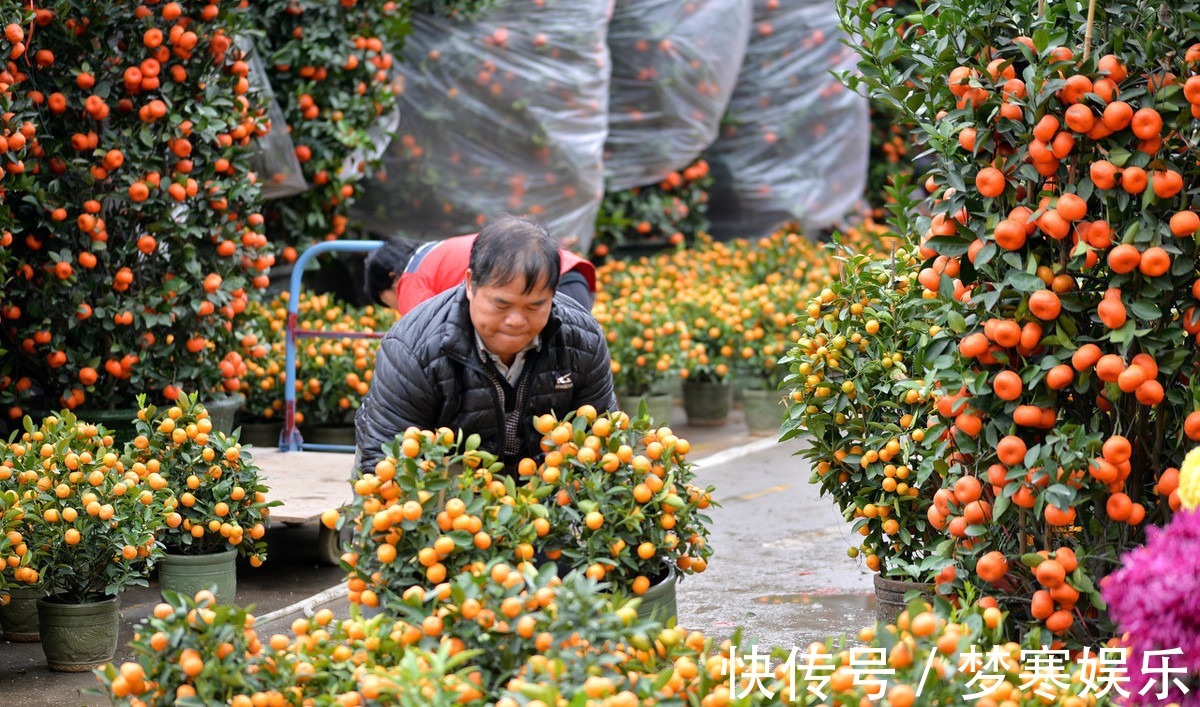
(613, 495)
(87, 516)
(568, 643)
(713, 314)
(332, 374)
(456, 601)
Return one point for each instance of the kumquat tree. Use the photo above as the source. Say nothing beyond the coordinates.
(140, 241)
(1063, 224)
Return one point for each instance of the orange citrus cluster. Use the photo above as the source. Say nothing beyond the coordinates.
(218, 497)
(714, 310)
(557, 641)
(88, 517)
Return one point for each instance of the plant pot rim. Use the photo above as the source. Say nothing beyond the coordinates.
(896, 584)
(668, 575)
(60, 600)
(222, 396)
(198, 557)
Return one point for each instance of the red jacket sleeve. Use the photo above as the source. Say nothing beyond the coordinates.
(442, 267)
(571, 261)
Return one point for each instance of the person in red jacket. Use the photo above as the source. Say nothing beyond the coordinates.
(402, 273)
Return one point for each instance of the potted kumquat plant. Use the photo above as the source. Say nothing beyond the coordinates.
(767, 332)
(218, 508)
(623, 506)
(433, 507)
(18, 581)
(707, 362)
(90, 524)
(643, 343)
(188, 648)
(856, 389)
(1058, 248)
(143, 134)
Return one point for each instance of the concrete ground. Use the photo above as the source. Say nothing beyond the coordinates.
(779, 568)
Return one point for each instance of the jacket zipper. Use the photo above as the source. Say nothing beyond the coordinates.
(493, 376)
(521, 393)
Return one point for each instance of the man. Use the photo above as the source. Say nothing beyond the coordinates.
(489, 355)
(403, 273)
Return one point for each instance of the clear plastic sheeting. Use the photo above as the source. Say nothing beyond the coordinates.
(274, 157)
(504, 114)
(675, 65)
(796, 140)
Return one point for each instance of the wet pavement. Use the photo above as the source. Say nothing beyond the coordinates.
(779, 568)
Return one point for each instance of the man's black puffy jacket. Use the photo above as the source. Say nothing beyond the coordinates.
(429, 373)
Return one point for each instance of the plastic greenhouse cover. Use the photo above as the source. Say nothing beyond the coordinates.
(796, 140)
(507, 113)
(675, 65)
(274, 159)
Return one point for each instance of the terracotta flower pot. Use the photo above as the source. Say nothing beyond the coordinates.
(889, 595)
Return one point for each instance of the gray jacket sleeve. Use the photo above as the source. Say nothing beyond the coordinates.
(402, 395)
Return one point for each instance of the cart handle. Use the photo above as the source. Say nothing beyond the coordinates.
(290, 439)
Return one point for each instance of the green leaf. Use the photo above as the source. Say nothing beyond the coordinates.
(1131, 232)
(1082, 581)
(1024, 282)
(1124, 334)
(1002, 505)
(1041, 40)
(1031, 559)
(1145, 310)
(1119, 156)
(956, 322)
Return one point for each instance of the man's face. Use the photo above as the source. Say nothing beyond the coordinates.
(506, 318)
(388, 296)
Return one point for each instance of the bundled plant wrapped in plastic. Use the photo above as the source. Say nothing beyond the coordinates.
(674, 68)
(794, 146)
(506, 113)
(330, 68)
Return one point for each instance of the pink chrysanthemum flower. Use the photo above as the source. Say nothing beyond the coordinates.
(1155, 600)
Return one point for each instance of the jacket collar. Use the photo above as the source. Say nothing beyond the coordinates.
(459, 339)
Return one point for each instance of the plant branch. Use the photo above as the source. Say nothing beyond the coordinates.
(1087, 34)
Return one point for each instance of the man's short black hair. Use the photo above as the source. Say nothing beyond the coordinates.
(511, 248)
(384, 265)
